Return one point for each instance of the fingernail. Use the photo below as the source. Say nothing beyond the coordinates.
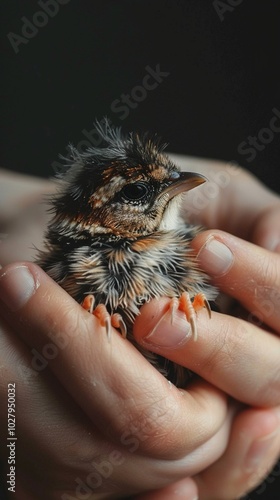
(215, 257)
(169, 332)
(17, 285)
(258, 450)
(184, 489)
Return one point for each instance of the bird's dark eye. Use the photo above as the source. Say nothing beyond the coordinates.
(134, 192)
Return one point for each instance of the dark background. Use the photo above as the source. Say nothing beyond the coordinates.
(222, 86)
(223, 82)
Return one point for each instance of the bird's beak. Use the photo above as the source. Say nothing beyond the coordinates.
(185, 182)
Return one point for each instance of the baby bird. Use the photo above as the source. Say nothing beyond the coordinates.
(116, 239)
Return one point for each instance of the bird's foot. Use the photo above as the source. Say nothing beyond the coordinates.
(106, 320)
(190, 307)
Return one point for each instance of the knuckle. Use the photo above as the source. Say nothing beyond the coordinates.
(230, 339)
(154, 429)
(151, 426)
(270, 271)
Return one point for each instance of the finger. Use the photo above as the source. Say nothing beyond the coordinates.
(19, 191)
(119, 390)
(49, 424)
(231, 200)
(244, 271)
(185, 488)
(23, 215)
(253, 449)
(230, 353)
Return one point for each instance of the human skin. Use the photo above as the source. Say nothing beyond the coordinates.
(246, 208)
(91, 397)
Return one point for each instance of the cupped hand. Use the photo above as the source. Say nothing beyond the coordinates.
(78, 438)
(240, 356)
(232, 200)
(23, 215)
(93, 417)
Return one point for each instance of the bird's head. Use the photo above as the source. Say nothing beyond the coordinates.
(127, 189)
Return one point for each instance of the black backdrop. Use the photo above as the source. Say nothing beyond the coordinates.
(80, 60)
(204, 75)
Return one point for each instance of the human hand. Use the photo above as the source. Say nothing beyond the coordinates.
(232, 200)
(269, 207)
(236, 355)
(23, 215)
(94, 419)
(239, 357)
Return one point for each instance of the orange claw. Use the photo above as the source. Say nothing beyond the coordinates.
(190, 307)
(118, 322)
(200, 301)
(104, 317)
(88, 303)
